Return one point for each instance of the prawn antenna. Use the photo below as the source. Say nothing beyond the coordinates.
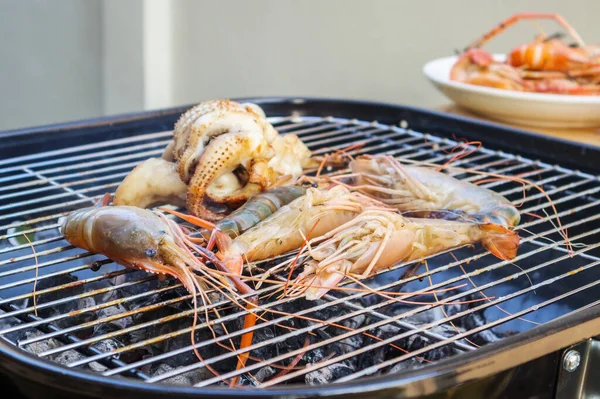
(37, 270)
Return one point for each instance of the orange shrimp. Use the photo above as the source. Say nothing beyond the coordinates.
(552, 64)
(478, 67)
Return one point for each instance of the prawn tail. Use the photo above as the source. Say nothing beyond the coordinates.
(500, 241)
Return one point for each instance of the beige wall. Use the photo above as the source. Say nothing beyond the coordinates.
(50, 66)
(69, 59)
(349, 48)
(122, 56)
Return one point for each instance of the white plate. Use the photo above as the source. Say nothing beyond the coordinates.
(532, 109)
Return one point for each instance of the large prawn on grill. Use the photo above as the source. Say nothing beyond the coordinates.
(426, 192)
(376, 240)
(312, 214)
(146, 240)
(257, 209)
(546, 65)
(224, 152)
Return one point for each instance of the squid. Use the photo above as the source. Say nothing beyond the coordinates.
(223, 152)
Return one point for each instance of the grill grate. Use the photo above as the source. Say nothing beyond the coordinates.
(94, 314)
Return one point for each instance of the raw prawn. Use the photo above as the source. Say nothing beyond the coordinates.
(426, 192)
(377, 239)
(142, 239)
(255, 210)
(314, 213)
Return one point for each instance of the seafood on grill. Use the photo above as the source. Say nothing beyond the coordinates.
(427, 193)
(143, 239)
(254, 211)
(546, 65)
(153, 182)
(224, 152)
(376, 240)
(311, 215)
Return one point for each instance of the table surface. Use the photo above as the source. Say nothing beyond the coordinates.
(587, 136)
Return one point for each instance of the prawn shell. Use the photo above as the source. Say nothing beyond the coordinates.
(122, 233)
(426, 192)
(257, 209)
(288, 238)
(398, 248)
(313, 214)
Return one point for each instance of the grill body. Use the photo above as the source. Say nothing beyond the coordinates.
(522, 365)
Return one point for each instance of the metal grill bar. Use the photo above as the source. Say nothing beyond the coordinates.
(43, 180)
(109, 361)
(84, 158)
(44, 265)
(41, 265)
(187, 330)
(407, 326)
(114, 184)
(478, 329)
(531, 198)
(283, 337)
(53, 183)
(20, 186)
(70, 247)
(390, 340)
(81, 148)
(83, 173)
(109, 143)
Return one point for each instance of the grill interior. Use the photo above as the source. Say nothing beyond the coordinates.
(92, 314)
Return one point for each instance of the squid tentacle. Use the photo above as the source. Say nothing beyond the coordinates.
(223, 155)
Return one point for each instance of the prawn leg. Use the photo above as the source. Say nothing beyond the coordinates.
(104, 201)
(196, 221)
(502, 26)
(412, 184)
(217, 237)
(252, 302)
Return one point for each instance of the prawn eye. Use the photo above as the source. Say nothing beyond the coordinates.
(314, 185)
(150, 252)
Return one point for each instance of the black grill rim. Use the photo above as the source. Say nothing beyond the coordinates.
(567, 153)
(484, 362)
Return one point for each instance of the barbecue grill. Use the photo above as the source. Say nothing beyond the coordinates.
(522, 328)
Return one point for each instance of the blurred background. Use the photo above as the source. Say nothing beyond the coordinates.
(72, 59)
